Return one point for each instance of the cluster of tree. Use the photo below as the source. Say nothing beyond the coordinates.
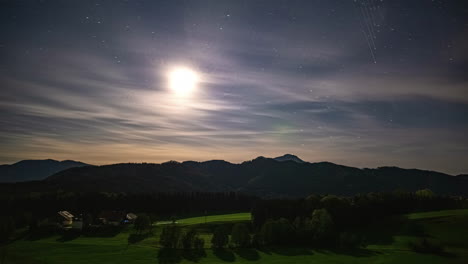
(220, 237)
(239, 236)
(172, 237)
(26, 208)
(142, 223)
(425, 245)
(325, 221)
(7, 228)
(309, 220)
(318, 230)
(353, 211)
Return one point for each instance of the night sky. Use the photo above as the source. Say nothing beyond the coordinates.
(363, 83)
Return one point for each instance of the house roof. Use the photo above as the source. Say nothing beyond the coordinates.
(131, 216)
(65, 214)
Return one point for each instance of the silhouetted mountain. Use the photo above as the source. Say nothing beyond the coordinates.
(132, 177)
(265, 177)
(289, 157)
(28, 170)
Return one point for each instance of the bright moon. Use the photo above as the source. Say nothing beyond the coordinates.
(183, 81)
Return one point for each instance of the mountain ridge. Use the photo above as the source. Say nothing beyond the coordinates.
(29, 170)
(265, 177)
(282, 176)
(289, 157)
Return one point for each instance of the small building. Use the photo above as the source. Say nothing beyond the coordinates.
(65, 219)
(130, 218)
(116, 218)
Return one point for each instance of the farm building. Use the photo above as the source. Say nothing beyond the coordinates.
(65, 219)
(68, 221)
(116, 218)
(130, 218)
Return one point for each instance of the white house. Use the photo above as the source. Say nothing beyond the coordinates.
(65, 219)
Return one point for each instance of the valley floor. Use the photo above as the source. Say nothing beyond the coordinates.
(387, 245)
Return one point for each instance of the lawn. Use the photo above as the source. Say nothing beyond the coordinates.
(215, 218)
(435, 214)
(449, 227)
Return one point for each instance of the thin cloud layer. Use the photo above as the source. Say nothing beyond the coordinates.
(91, 85)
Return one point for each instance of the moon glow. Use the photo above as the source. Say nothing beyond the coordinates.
(183, 81)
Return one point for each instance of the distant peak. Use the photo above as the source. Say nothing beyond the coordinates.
(289, 157)
(34, 161)
(69, 161)
(171, 162)
(259, 159)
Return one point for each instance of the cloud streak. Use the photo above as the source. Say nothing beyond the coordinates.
(290, 80)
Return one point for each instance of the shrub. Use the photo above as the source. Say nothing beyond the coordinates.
(240, 236)
(322, 227)
(198, 243)
(277, 232)
(414, 229)
(188, 239)
(256, 240)
(7, 228)
(142, 223)
(220, 237)
(170, 236)
(350, 240)
(424, 245)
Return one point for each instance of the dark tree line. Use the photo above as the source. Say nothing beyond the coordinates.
(278, 221)
(326, 220)
(355, 210)
(174, 237)
(7, 228)
(33, 207)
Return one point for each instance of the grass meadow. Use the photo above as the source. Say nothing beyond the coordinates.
(387, 243)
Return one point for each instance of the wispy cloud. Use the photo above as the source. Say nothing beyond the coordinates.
(298, 82)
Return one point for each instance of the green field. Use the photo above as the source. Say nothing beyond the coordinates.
(215, 218)
(388, 243)
(434, 214)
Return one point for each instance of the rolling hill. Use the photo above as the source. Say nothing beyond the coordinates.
(29, 170)
(265, 177)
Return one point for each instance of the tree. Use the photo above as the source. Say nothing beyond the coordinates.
(142, 222)
(7, 228)
(267, 234)
(198, 243)
(87, 220)
(312, 202)
(322, 226)
(425, 193)
(188, 239)
(257, 240)
(170, 236)
(240, 236)
(350, 240)
(220, 237)
(302, 228)
(339, 209)
(33, 224)
(275, 232)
